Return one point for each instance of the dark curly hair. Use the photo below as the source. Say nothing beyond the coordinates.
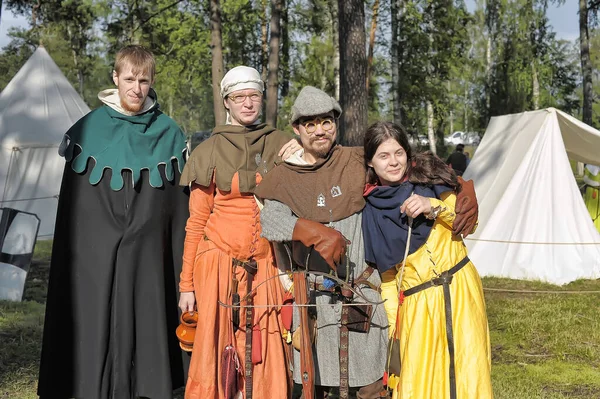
(423, 168)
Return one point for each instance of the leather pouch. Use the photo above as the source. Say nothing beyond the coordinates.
(393, 363)
(231, 373)
(359, 317)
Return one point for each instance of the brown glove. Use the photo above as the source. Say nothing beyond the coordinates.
(467, 210)
(328, 242)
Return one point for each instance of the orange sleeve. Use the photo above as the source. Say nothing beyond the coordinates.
(201, 204)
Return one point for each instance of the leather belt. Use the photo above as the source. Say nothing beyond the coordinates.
(363, 279)
(251, 269)
(444, 279)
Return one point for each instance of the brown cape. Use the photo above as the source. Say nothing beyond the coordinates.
(327, 191)
(230, 149)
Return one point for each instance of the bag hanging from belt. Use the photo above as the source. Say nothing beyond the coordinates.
(359, 317)
(231, 373)
(231, 368)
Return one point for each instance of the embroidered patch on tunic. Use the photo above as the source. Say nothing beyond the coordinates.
(336, 191)
(321, 200)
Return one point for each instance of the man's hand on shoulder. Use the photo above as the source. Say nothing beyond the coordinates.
(467, 209)
(289, 149)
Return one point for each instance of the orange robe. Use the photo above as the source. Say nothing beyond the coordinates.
(224, 225)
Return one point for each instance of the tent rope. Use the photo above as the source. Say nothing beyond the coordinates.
(29, 199)
(540, 291)
(532, 242)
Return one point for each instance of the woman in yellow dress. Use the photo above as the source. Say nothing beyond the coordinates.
(591, 178)
(434, 300)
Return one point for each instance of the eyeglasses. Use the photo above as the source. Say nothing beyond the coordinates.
(254, 97)
(311, 126)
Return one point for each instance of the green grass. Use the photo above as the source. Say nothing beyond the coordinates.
(21, 326)
(544, 346)
(20, 340)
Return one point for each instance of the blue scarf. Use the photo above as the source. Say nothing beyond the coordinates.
(385, 229)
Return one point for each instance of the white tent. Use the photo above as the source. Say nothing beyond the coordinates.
(36, 108)
(533, 223)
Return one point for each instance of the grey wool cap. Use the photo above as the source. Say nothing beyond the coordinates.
(312, 102)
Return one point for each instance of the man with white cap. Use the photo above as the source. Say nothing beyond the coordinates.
(225, 261)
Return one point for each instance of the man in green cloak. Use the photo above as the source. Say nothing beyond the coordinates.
(111, 309)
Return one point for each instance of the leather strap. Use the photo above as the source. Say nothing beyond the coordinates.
(307, 363)
(445, 279)
(344, 335)
(363, 279)
(364, 276)
(438, 280)
(251, 269)
(320, 287)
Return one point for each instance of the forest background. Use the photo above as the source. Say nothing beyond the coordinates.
(431, 65)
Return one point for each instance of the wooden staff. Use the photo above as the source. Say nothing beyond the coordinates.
(307, 363)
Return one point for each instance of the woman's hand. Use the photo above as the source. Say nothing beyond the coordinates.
(416, 205)
(289, 149)
(187, 301)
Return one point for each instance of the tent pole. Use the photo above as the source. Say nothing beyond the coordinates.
(579, 168)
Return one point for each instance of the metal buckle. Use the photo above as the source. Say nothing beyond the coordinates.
(444, 278)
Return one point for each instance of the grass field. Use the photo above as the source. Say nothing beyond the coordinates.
(544, 346)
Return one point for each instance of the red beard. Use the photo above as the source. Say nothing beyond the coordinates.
(131, 108)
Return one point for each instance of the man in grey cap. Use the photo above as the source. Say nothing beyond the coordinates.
(315, 198)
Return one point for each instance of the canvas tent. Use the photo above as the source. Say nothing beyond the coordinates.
(533, 223)
(36, 108)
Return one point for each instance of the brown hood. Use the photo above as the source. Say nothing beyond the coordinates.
(328, 191)
(246, 150)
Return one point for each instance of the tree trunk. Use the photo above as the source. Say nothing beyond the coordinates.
(353, 72)
(285, 51)
(265, 43)
(372, 41)
(216, 46)
(466, 110)
(272, 81)
(535, 39)
(395, 50)
(333, 8)
(76, 63)
(430, 127)
(34, 13)
(586, 64)
(488, 74)
(536, 86)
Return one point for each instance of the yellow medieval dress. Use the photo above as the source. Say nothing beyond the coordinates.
(421, 325)
(591, 177)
